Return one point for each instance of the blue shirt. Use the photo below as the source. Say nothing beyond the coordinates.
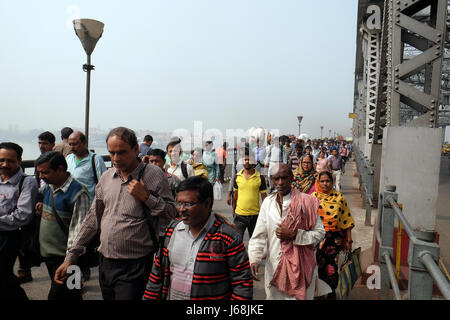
(17, 210)
(144, 149)
(211, 162)
(83, 171)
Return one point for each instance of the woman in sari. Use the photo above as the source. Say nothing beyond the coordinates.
(197, 164)
(322, 163)
(338, 223)
(305, 175)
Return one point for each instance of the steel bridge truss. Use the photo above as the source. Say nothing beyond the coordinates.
(401, 29)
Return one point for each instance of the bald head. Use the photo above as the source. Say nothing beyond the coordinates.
(78, 144)
(281, 168)
(281, 177)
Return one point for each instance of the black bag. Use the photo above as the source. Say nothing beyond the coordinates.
(29, 246)
(90, 258)
(148, 217)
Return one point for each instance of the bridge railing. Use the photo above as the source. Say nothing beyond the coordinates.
(423, 254)
(365, 176)
(30, 164)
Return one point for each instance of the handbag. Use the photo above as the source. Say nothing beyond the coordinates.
(89, 259)
(349, 273)
(218, 191)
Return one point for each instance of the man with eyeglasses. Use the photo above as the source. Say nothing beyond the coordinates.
(127, 243)
(203, 256)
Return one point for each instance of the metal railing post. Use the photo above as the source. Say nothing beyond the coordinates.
(369, 195)
(420, 284)
(442, 282)
(387, 237)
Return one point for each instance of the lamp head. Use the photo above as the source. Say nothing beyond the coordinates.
(88, 31)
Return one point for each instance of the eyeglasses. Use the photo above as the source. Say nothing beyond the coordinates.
(187, 205)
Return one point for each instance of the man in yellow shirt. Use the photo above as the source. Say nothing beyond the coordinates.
(248, 185)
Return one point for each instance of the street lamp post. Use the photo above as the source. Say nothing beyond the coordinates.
(321, 132)
(329, 134)
(89, 32)
(299, 123)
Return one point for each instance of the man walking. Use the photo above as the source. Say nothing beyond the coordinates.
(128, 235)
(222, 157)
(274, 157)
(17, 198)
(63, 146)
(46, 141)
(260, 156)
(248, 185)
(203, 257)
(64, 207)
(84, 165)
(337, 168)
(211, 162)
(157, 157)
(295, 157)
(288, 225)
(145, 146)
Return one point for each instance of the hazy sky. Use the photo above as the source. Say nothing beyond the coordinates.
(163, 64)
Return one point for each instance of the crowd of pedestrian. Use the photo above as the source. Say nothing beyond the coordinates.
(148, 222)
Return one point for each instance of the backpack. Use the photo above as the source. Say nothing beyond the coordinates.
(183, 166)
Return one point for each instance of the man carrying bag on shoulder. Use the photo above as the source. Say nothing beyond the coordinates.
(127, 245)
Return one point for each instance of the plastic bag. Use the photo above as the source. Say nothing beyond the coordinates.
(218, 190)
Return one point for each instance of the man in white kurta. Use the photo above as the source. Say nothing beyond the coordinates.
(268, 231)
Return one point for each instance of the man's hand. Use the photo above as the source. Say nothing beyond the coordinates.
(254, 268)
(229, 199)
(137, 190)
(39, 207)
(284, 233)
(145, 159)
(61, 273)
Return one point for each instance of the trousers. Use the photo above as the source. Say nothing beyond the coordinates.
(124, 279)
(245, 222)
(59, 291)
(10, 288)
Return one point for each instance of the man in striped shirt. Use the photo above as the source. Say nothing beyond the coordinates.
(295, 157)
(203, 257)
(126, 247)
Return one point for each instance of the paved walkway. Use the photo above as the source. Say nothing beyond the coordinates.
(362, 237)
